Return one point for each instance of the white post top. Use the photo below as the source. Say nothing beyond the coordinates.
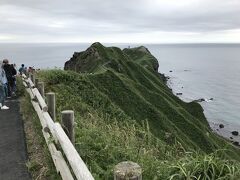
(50, 93)
(68, 112)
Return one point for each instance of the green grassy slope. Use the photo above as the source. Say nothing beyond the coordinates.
(124, 111)
(129, 79)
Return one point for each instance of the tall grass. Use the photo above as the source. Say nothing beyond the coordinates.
(207, 167)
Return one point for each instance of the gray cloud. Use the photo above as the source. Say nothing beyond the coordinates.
(59, 19)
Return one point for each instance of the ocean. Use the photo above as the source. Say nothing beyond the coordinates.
(195, 70)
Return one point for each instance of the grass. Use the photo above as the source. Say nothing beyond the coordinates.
(208, 167)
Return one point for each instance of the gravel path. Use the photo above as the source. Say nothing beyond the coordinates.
(13, 154)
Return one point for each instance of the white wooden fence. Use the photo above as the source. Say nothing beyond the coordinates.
(51, 129)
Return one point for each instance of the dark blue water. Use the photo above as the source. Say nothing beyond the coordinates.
(198, 71)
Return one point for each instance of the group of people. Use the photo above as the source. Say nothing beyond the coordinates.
(8, 74)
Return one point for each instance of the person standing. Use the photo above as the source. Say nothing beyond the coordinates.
(3, 86)
(14, 84)
(9, 70)
(22, 69)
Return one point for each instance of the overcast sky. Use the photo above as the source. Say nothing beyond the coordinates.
(130, 21)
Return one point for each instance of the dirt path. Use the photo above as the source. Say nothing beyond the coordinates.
(13, 156)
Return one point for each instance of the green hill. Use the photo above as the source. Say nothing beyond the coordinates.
(130, 80)
(125, 111)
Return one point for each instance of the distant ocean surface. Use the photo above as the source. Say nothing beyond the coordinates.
(198, 71)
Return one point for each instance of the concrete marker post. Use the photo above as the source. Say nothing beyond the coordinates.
(127, 170)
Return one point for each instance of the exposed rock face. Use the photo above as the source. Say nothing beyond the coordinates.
(83, 61)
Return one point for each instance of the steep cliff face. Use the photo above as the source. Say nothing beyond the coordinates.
(85, 61)
(128, 80)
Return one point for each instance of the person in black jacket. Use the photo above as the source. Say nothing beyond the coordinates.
(10, 73)
(14, 74)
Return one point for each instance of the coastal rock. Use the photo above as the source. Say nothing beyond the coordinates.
(202, 100)
(236, 143)
(199, 100)
(235, 133)
(221, 126)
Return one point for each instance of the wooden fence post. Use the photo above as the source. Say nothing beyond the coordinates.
(68, 124)
(41, 88)
(27, 74)
(127, 170)
(51, 102)
(36, 82)
(32, 77)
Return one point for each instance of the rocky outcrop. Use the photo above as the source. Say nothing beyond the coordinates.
(202, 100)
(235, 133)
(235, 143)
(84, 61)
(221, 126)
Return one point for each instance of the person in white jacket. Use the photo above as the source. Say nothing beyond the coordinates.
(3, 85)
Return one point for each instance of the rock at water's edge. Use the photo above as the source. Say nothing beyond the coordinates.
(235, 133)
(221, 126)
(236, 143)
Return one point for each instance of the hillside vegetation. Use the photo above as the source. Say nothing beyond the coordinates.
(125, 111)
